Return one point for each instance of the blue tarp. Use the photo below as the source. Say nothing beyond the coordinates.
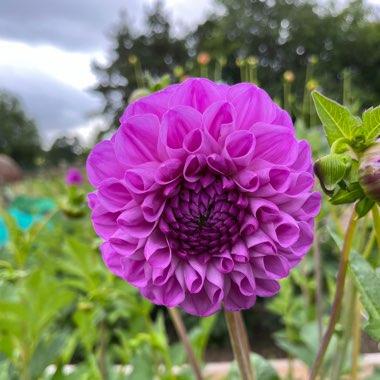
(25, 217)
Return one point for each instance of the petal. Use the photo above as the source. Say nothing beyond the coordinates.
(113, 194)
(214, 285)
(141, 179)
(240, 147)
(199, 304)
(136, 140)
(220, 164)
(252, 105)
(247, 180)
(270, 267)
(239, 252)
(111, 259)
(169, 171)
(176, 124)
(157, 251)
(224, 262)
(104, 222)
(218, 121)
(125, 245)
(102, 164)
(133, 222)
(194, 168)
(266, 288)
(303, 161)
(264, 210)
(305, 240)
(234, 299)
(300, 183)
(259, 243)
(134, 272)
(197, 142)
(152, 206)
(156, 104)
(197, 93)
(274, 143)
(285, 232)
(194, 275)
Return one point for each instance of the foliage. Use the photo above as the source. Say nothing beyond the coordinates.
(19, 135)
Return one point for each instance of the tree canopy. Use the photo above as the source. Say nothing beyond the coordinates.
(19, 136)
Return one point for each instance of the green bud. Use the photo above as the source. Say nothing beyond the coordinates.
(332, 169)
(138, 94)
(369, 172)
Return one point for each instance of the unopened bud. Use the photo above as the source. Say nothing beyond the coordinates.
(332, 169)
(289, 76)
(203, 58)
(138, 94)
(369, 172)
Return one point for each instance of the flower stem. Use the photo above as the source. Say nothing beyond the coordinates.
(355, 340)
(181, 331)
(376, 223)
(240, 344)
(338, 295)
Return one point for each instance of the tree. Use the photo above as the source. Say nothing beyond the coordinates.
(64, 150)
(19, 136)
(155, 51)
(283, 35)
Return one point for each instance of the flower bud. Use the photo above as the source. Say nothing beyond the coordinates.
(289, 76)
(312, 84)
(252, 61)
(332, 169)
(369, 172)
(203, 58)
(132, 59)
(138, 93)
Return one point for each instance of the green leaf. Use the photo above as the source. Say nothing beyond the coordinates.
(371, 124)
(367, 282)
(363, 207)
(337, 120)
(262, 368)
(350, 195)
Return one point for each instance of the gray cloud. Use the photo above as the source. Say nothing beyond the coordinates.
(54, 105)
(70, 24)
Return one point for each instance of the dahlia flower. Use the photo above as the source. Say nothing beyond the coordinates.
(74, 177)
(203, 196)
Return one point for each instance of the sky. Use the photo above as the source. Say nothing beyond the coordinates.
(46, 50)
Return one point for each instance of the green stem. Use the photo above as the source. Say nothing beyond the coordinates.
(338, 295)
(181, 331)
(355, 340)
(240, 344)
(318, 279)
(347, 321)
(376, 223)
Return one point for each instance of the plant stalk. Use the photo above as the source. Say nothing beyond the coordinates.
(356, 340)
(240, 343)
(337, 303)
(181, 331)
(376, 223)
(319, 290)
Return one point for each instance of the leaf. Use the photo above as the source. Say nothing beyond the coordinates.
(364, 206)
(367, 282)
(353, 193)
(371, 124)
(262, 368)
(46, 353)
(337, 120)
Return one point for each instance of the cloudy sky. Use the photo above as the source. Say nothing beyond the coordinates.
(47, 46)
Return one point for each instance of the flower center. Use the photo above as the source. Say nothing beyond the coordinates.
(204, 216)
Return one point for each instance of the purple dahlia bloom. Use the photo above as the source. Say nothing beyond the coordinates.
(74, 177)
(203, 196)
